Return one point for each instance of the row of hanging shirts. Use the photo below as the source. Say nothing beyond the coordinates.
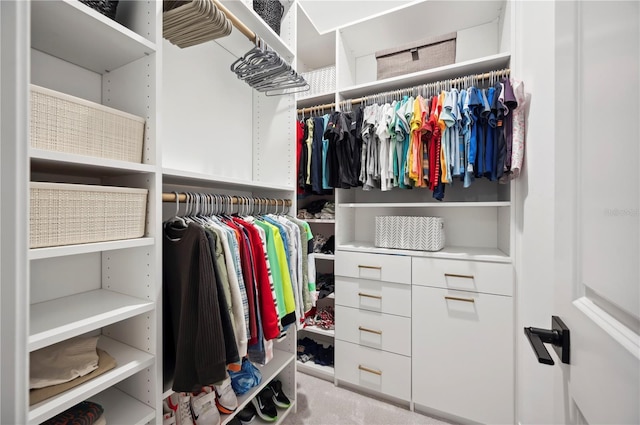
(426, 136)
(231, 285)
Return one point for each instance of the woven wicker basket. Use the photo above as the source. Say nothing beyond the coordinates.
(66, 214)
(64, 123)
(416, 233)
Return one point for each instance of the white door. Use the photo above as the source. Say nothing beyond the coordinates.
(597, 210)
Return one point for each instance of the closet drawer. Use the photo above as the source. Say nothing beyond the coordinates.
(463, 354)
(383, 297)
(374, 369)
(388, 268)
(376, 330)
(491, 278)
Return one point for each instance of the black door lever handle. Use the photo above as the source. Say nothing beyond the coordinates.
(558, 336)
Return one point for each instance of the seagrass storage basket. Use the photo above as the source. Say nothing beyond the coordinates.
(415, 233)
(67, 214)
(417, 56)
(64, 123)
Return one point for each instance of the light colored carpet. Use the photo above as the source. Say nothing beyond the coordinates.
(322, 403)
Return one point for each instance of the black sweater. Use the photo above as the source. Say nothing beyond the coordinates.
(195, 351)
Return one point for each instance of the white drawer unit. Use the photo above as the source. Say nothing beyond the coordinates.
(463, 354)
(383, 297)
(388, 268)
(476, 276)
(376, 330)
(376, 370)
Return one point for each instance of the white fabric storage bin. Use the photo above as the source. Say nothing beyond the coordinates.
(415, 233)
(67, 214)
(321, 81)
(64, 123)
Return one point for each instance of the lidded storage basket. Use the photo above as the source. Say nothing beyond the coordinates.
(67, 214)
(417, 56)
(64, 123)
(415, 233)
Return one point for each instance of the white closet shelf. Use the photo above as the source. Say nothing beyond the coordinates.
(280, 360)
(129, 361)
(178, 177)
(317, 99)
(121, 408)
(51, 162)
(321, 256)
(56, 320)
(251, 19)
(321, 220)
(319, 331)
(426, 204)
(69, 30)
(61, 251)
(311, 368)
(493, 255)
(417, 21)
(460, 69)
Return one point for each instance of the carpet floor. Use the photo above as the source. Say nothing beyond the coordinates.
(321, 403)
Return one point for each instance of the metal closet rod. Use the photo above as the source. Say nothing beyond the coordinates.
(483, 76)
(237, 22)
(235, 200)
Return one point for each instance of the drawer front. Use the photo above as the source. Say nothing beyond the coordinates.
(463, 354)
(476, 276)
(383, 297)
(388, 268)
(376, 330)
(374, 369)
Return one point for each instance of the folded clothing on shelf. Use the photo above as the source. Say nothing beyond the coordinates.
(83, 413)
(310, 350)
(325, 285)
(62, 362)
(105, 364)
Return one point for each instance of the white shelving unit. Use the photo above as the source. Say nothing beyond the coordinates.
(479, 221)
(320, 256)
(108, 289)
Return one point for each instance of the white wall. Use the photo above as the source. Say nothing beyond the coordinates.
(327, 15)
(533, 63)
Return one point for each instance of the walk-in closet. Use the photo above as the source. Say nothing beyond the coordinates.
(315, 211)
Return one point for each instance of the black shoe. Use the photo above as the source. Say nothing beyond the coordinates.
(279, 398)
(247, 415)
(234, 421)
(264, 405)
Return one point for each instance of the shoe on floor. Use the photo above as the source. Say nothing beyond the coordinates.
(204, 409)
(247, 415)
(264, 405)
(234, 421)
(279, 398)
(179, 404)
(226, 399)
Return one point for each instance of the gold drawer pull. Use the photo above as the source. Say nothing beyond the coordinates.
(366, 369)
(369, 330)
(464, 276)
(467, 300)
(370, 267)
(362, 294)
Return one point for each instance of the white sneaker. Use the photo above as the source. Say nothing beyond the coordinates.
(179, 404)
(168, 418)
(226, 399)
(204, 409)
